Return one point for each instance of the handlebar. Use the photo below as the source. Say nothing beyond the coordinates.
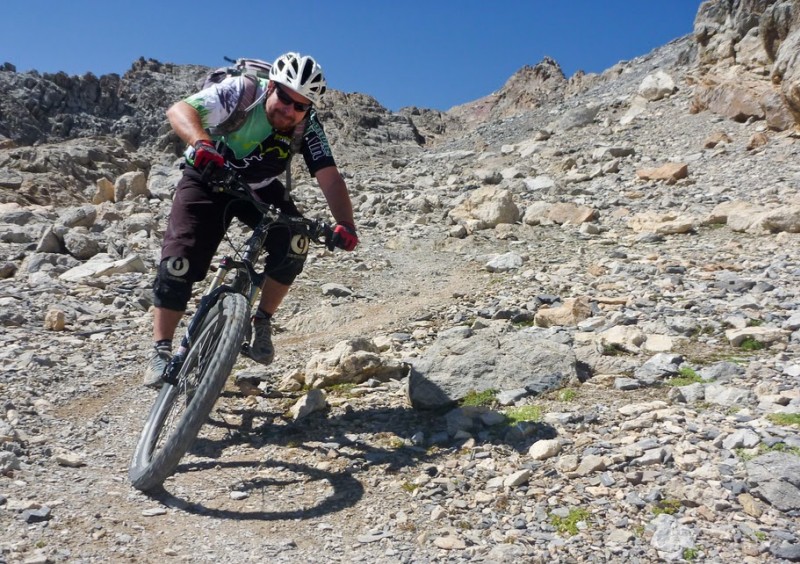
(229, 181)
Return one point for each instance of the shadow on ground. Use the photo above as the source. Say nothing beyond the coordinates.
(366, 439)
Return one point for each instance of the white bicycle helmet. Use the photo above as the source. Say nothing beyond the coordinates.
(300, 73)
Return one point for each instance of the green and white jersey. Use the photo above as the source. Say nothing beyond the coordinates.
(258, 151)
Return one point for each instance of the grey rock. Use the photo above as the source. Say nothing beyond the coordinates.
(509, 397)
(776, 478)
(787, 551)
(577, 117)
(464, 361)
(692, 393)
(50, 242)
(726, 395)
(670, 538)
(627, 384)
(36, 515)
(9, 179)
(336, 290)
(721, 371)
(8, 463)
(83, 216)
(742, 438)
(504, 263)
(659, 367)
(81, 245)
(7, 269)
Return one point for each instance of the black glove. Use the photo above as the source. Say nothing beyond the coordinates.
(345, 236)
(204, 157)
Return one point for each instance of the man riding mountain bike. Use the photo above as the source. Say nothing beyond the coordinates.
(260, 150)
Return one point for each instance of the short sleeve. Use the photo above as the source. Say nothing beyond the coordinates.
(316, 149)
(218, 101)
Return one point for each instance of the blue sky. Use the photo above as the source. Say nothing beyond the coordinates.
(431, 54)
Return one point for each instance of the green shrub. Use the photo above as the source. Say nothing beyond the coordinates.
(690, 554)
(751, 344)
(746, 454)
(685, 377)
(613, 350)
(569, 524)
(785, 419)
(668, 506)
(344, 389)
(485, 398)
(567, 395)
(523, 413)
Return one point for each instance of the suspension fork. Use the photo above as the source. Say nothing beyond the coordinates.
(225, 265)
(252, 280)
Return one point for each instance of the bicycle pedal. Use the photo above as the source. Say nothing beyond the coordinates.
(245, 350)
(170, 375)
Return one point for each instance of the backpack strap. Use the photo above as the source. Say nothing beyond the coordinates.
(297, 135)
(294, 147)
(247, 101)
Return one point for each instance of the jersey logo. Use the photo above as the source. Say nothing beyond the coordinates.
(282, 153)
(317, 150)
(318, 146)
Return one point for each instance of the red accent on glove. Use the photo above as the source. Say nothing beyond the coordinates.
(344, 236)
(206, 158)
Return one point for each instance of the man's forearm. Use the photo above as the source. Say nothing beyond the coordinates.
(334, 189)
(185, 121)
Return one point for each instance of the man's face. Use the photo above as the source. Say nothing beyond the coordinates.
(285, 108)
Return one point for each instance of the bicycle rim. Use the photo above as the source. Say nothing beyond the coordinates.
(180, 410)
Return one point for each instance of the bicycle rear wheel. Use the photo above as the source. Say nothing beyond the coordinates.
(180, 410)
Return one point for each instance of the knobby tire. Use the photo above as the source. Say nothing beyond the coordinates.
(181, 410)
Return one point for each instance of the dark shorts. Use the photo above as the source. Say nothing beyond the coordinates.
(200, 218)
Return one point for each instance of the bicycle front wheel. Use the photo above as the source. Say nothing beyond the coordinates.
(180, 410)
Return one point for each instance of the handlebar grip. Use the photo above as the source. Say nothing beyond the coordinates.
(329, 237)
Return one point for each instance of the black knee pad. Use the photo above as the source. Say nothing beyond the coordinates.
(287, 263)
(172, 287)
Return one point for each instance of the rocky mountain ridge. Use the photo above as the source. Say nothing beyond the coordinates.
(571, 332)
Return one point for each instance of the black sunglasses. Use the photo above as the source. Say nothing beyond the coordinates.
(288, 101)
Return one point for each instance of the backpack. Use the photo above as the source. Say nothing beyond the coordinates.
(251, 70)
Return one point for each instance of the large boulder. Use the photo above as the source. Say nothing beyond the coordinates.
(463, 360)
(485, 208)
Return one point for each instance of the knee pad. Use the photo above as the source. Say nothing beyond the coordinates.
(172, 287)
(287, 263)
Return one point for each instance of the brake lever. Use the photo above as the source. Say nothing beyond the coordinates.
(219, 178)
(322, 234)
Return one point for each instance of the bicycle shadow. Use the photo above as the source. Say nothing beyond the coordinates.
(347, 491)
(316, 437)
(366, 439)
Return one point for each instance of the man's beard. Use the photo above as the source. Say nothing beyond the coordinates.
(280, 121)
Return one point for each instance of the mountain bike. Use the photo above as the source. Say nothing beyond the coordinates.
(216, 334)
